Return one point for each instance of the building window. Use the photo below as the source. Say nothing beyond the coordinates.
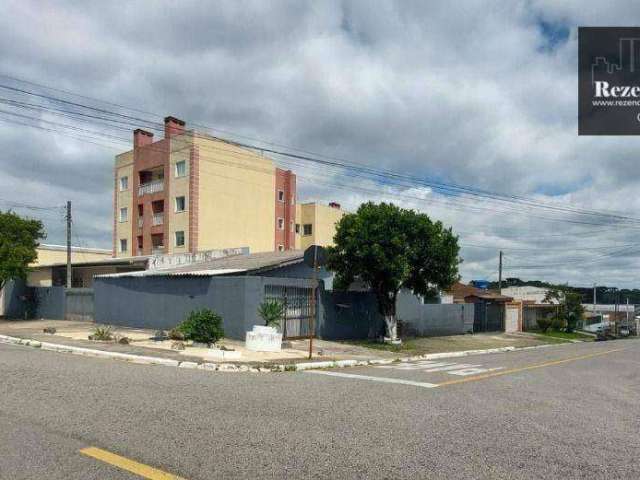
(280, 196)
(291, 227)
(181, 168)
(307, 229)
(293, 200)
(180, 239)
(281, 248)
(124, 183)
(124, 214)
(123, 245)
(297, 228)
(280, 223)
(180, 204)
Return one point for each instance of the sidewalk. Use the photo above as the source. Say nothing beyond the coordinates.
(75, 334)
(71, 337)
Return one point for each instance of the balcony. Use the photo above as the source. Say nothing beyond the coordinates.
(158, 218)
(140, 222)
(151, 187)
(157, 250)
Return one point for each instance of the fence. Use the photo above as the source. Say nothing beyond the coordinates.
(299, 308)
(420, 319)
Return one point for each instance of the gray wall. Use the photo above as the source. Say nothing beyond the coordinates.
(433, 319)
(348, 315)
(51, 302)
(13, 306)
(164, 301)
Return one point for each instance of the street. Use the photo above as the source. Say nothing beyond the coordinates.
(559, 412)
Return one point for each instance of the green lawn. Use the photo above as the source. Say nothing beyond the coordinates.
(478, 341)
(567, 336)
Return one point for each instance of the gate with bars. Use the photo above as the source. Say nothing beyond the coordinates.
(299, 309)
(488, 317)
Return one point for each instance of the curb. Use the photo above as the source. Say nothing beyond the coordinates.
(230, 367)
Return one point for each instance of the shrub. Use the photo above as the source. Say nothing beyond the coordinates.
(271, 312)
(102, 333)
(204, 326)
(558, 323)
(544, 324)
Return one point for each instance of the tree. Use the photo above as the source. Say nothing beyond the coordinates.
(569, 306)
(18, 242)
(389, 248)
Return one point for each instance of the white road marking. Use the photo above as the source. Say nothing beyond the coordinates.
(373, 379)
(449, 368)
(473, 371)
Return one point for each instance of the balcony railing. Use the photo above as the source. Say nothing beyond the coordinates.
(140, 222)
(151, 187)
(157, 250)
(158, 218)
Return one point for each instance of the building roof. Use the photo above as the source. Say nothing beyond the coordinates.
(63, 248)
(460, 291)
(141, 260)
(245, 263)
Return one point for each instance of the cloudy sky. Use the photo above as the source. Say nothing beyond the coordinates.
(474, 93)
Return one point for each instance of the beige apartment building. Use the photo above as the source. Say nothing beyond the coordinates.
(191, 192)
(316, 224)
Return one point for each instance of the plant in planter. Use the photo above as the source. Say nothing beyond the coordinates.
(272, 312)
(202, 326)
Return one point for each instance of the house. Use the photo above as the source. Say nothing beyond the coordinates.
(493, 311)
(190, 192)
(529, 294)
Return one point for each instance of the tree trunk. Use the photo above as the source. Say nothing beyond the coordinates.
(392, 327)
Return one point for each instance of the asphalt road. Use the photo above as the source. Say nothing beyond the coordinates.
(560, 412)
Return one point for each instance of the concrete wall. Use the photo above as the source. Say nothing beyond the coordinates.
(433, 319)
(12, 305)
(51, 302)
(55, 254)
(163, 302)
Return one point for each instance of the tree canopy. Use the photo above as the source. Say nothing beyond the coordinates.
(18, 242)
(389, 248)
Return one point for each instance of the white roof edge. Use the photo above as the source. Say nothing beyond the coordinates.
(165, 273)
(50, 246)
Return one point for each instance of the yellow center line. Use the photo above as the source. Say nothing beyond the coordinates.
(522, 369)
(140, 469)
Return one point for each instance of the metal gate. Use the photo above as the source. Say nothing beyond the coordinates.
(79, 304)
(488, 317)
(299, 308)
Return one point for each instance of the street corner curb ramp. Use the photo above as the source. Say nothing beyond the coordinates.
(231, 367)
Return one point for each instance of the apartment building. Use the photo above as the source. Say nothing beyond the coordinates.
(316, 224)
(189, 192)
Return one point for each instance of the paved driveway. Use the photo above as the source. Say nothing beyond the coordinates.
(558, 412)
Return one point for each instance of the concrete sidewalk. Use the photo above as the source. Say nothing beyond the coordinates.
(75, 334)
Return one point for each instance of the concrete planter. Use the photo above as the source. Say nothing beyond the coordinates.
(263, 339)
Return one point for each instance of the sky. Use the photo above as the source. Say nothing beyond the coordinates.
(473, 93)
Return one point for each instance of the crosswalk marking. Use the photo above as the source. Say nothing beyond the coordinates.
(373, 379)
(430, 366)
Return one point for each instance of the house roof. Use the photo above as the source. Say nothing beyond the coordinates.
(460, 291)
(242, 263)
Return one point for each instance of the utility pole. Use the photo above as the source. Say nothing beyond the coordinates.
(69, 244)
(500, 274)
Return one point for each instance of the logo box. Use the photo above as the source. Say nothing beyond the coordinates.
(609, 81)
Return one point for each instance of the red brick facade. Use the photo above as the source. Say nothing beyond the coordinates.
(285, 209)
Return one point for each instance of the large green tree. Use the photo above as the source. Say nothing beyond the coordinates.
(569, 306)
(18, 242)
(390, 248)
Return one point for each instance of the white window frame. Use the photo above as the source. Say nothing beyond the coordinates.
(123, 218)
(124, 183)
(184, 206)
(175, 238)
(123, 241)
(177, 173)
(280, 223)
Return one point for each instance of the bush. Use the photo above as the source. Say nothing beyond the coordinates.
(271, 312)
(204, 326)
(544, 324)
(558, 323)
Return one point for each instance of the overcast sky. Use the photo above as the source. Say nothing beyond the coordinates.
(475, 93)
